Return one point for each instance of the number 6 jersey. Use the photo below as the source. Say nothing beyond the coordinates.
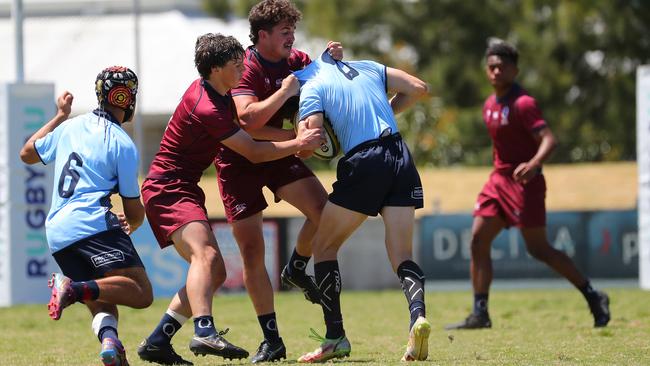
(94, 158)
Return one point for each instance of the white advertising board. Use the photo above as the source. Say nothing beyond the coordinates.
(25, 195)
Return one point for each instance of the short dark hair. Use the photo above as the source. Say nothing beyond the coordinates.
(215, 50)
(505, 50)
(268, 13)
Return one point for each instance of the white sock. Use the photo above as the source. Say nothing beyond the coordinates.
(102, 320)
(180, 318)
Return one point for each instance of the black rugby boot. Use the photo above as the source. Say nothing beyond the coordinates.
(269, 352)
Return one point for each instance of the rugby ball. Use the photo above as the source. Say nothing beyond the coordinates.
(330, 148)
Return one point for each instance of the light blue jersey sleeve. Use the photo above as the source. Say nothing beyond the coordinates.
(46, 145)
(127, 171)
(310, 102)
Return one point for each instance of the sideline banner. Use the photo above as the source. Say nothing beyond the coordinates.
(25, 196)
(602, 245)
(643, 164)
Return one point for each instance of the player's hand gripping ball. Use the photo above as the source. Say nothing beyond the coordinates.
(330, 148)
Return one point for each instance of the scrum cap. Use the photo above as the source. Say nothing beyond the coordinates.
(117, 86)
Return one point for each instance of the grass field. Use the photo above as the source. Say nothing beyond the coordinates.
(531, 327)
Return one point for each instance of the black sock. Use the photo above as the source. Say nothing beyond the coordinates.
(269, 327)
(84, 291)
(107, 332)
(167, 327)
(588, 292)
(328, 280)
(481, 303)
(412, 279)
(204, 326)
(297, 263)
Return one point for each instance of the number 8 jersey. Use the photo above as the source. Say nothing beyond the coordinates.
(94, 158)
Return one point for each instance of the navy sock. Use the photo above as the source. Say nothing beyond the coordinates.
(412, 280)
(588, 292)
(204, 326)
(167, 327)
(269, 327)
(86, 290)
(480, 303)
(107, 332)
(328, 280)
(297, 263)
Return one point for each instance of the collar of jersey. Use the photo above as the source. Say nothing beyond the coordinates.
(265, 61)
(514, 89)
(107, 115)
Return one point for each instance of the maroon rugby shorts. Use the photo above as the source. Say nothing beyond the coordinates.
(170, 204)
(241, 184)
(521, 205)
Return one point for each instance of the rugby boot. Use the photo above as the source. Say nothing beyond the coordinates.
(599, 307)
(301, 281)
(328, 349)
(473, 321)
(217, 345)
(162, 354)
(269, 352)
(417, 348)
(113, 353)
(62, 295)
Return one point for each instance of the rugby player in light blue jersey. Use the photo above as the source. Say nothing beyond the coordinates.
(377, 175)
(93, 158)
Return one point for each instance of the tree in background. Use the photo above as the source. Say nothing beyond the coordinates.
(578, 58)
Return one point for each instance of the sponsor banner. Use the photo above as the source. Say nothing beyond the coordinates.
(167, 271)
(25, 195)
(643, 165)
(613, 244)
(444, 249)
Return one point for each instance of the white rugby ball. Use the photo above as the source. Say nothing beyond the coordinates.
(330, 148)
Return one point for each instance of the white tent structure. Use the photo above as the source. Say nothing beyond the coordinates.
(68, 42)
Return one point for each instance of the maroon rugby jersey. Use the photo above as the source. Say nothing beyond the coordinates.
(512, 122)
(200, 122)
(262, 78)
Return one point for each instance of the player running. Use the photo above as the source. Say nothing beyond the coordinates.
(94, 158)
(514, 194)
(377, 175)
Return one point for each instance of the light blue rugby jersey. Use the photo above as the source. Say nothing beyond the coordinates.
(94, 158)
(351, 94)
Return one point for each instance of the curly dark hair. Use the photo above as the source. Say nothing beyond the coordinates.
(215, 50)
(268, 13)
(503, 49)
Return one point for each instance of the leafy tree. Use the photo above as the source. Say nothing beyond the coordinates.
(577, 58)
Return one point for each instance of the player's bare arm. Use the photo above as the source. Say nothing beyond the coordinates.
(261, 151)
(254, 113)
(272, 134)
(133, 214)
(547, 143)
(313, 121)
(28, 153)
(407, 88)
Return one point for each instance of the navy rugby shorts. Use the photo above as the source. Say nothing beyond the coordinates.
(375, 174)
(91, 258)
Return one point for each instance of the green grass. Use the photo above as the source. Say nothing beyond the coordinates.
(531, 327)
